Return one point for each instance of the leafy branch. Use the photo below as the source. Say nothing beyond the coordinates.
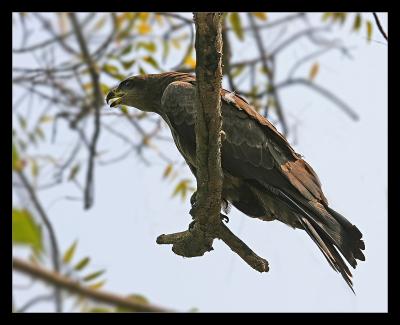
(65, 283)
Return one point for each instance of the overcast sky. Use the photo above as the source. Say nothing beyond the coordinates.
(133, 206)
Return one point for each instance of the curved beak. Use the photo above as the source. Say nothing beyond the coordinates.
(115, 94)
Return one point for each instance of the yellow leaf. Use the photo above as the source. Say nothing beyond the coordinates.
(144, 28)
(314, 71)
(34, 168)
(15, 158)
(326, 15)
(100, 23)
(260, 15)
(189, 61)
(46, 119)
(236, 23)
(369, 31)
(97, 285)
(70, 252)
(87, 86)
(167, 171)
(144, 16)
(159, 19)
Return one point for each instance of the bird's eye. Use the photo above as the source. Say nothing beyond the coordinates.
(127, 84)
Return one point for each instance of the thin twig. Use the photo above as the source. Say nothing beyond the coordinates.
(380, 26)
(30, 303)
(326, 93)
(270, 72)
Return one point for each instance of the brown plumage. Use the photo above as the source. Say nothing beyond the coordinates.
(263, 176)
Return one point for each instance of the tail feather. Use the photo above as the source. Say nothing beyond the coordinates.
(327, 248)
(336, 235)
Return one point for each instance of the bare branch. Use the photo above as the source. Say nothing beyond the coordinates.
(326, 93)
(378, 23)
(54, 39)
(97, 103)
(33, 302)
(49, 227)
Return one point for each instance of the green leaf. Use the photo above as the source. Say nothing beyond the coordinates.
(45, 119)
(236, 23)
(15, 158)
(326, 15)
(340, 16)
(148, 46)
(70, 252)
(82, 264)
(100, 310)
(165, 50)
(126, 50)
(25, 231)
(110, 69)
(104, 88)
(357, 22)
(128, 64)
(142, 71)
(100, 23)
(22, 122)
(93, 275)
(34, 168)
(150, 60)
(135, 298)
(139, 299)
(369, 31)
(74, 171)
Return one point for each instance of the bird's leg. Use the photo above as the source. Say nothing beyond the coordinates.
(224, 217)
(193, 203)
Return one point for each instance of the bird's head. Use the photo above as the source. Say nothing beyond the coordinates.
(138, 91)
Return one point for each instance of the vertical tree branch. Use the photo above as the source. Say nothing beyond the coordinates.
(206, 210)
(97, 103)
(208, 118)
(55, 253)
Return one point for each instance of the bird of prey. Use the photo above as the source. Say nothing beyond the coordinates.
(263, 176)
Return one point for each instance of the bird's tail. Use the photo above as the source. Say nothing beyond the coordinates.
(332, 233)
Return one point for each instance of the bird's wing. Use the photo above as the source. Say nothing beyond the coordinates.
(251, 139)
(259, 133)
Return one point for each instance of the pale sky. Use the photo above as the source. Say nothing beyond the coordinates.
(133, 206)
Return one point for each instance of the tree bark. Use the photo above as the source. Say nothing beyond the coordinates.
(208, 224)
